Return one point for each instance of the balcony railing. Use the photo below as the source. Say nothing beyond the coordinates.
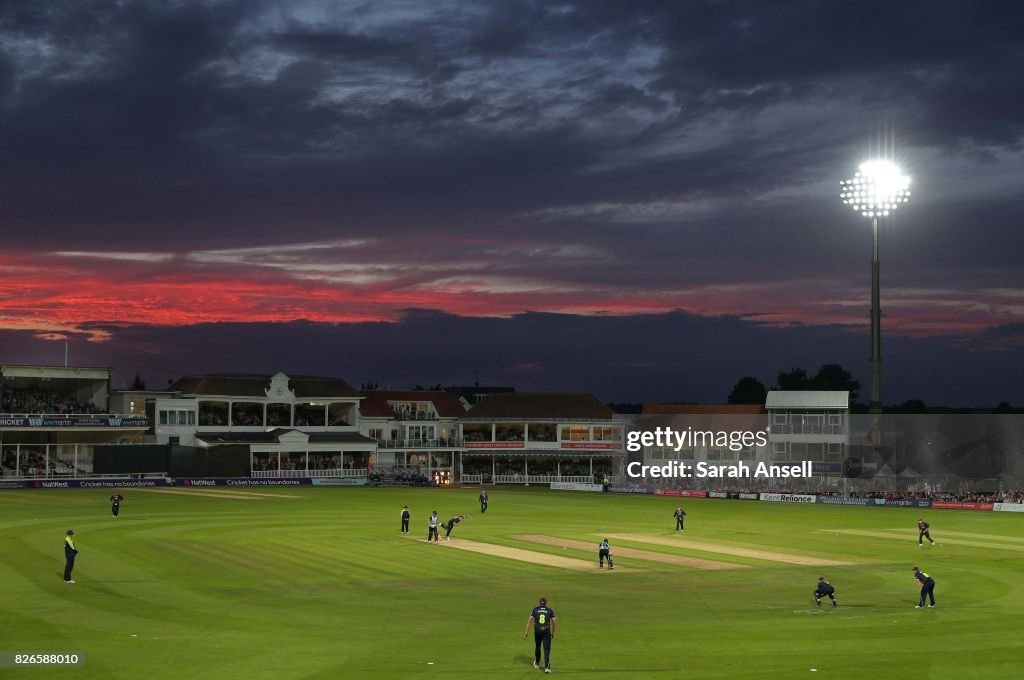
(439, 443)
(414, 415)
(337, 472)
(791, 428)
(540, 479)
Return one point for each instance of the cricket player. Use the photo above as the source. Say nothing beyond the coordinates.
(604, 552)
(115, 504)
(542, 619)
(922, 533)
(824, 588)
(432, 527)
(70, 552)
(450, 524)
(927, 588)
(405, 519)
(483, 501)
(679, 514)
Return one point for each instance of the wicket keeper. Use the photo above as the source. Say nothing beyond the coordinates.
(824, 588)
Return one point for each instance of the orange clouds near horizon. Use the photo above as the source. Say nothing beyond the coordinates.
(55, 293)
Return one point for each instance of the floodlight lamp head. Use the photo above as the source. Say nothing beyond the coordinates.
(878, 188)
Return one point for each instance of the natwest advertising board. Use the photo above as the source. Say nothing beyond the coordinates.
(90, 483)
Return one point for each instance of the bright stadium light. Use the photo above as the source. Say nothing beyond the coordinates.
(877, 188)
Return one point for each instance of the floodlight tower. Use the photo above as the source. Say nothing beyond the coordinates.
(878, 188)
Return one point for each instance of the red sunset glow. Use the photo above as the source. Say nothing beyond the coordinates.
(52, 293)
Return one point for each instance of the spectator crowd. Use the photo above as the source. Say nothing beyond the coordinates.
(38, 401)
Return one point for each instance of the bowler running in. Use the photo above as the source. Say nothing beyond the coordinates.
(450, 524)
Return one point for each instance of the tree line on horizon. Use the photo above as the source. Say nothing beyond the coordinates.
(750, 390)
(830, 377)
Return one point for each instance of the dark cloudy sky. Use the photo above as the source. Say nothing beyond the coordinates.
(636, 199)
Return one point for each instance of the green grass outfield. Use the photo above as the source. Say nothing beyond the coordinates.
(318, 583)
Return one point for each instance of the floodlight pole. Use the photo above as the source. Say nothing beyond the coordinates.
(877, 189)
(876, 324)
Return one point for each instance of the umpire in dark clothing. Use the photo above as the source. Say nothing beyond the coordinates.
(70, 551)
(405, 519)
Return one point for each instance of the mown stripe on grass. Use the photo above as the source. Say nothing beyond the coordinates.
(678, 560)
(735, 551)
(968, 534)
(520, 555)
(949, 541)
(319, 561)
(213, 493)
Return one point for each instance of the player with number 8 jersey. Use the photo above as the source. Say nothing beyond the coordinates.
(542, 618)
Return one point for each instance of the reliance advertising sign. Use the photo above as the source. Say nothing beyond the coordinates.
(788, 498)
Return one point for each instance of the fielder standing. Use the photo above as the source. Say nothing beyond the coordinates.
(115, 504)
(70, 552)
(679, 514)
(922, 533)
(542, 618)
